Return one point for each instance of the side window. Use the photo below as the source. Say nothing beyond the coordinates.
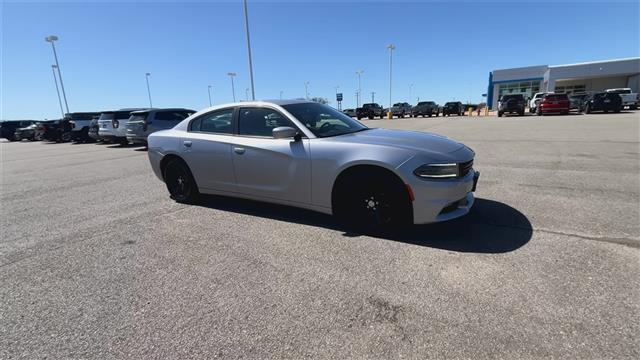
(260, 121)
(214, 122)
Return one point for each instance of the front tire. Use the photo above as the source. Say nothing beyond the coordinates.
(180, 183)
(372, 206)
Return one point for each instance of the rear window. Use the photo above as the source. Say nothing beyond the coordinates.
(122, 115)
(81, 116)
(621, 91)
(517, 97)
(556, 97)
(370, 105)
(139, 117)
(172, 115)
(106, 116)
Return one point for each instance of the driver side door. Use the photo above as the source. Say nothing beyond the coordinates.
(269, 168)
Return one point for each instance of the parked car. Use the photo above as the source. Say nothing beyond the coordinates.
(26, 133)
(425, 108)
(511, 104)
(370, 111)
(47, 129)
(401, 109)
(603, 101)
(80, 122)
(453, 107)
(533, 103)
(309, 155)
(554, 103)
(576, 101)
(112, 125)
(144, 122)
(629, 98)
(8, 128)
(350, 112)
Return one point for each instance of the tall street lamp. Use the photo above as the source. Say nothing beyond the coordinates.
(209, 91)
(306, 90)
(391, 47)
(281, 94)
(410, 91)
(373, 96)
(233, 89)
(246, 94)
(52, 39)
(148, 88)
(246, 22)
(359, 73)
(55, 80)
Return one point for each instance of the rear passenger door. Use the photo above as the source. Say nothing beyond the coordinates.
(207, 150)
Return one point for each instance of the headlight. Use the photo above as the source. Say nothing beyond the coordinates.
(437, 171)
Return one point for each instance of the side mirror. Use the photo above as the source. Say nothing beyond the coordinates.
(284, 132)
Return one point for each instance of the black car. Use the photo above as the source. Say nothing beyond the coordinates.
(576, 101)
(57, 130)
(603, 101)
(511, 104)
(425, 108)
(8, 128)
(370, 111)
(454, 107)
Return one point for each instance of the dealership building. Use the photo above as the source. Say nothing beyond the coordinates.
(571, 78)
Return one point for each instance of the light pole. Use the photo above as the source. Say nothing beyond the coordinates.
(209, 91)
(410, 91)
(281, 94)
(246, 94)
(148, 88)
(52, 39)
(359, 73)
(246, 22)
(233, 89)
(339, 102)
(373, 96)
(306, 90)
(53, 70)
(391, 47)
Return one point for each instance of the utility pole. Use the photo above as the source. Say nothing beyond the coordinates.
(149, 89)
(209, 90)
(233, 89)
(306, 90)
(53, 70)
(246, 22)
(373, 96)
(359, 73)
(52, 39)
(391, 47)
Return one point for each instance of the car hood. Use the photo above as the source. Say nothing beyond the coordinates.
(411, 140)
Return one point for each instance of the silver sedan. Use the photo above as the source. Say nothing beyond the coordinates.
(312, 156)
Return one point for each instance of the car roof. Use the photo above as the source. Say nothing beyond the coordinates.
(161, 109)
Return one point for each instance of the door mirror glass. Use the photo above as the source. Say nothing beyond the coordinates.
(284, 132)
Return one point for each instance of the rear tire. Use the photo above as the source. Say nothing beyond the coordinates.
(499, 113)
(372, 201)
(180, 183)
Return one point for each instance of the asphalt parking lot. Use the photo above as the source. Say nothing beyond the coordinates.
(98, 262)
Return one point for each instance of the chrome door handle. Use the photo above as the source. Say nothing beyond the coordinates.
(238, 150)
(187, 143)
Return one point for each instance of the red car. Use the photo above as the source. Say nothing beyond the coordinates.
(554, 103)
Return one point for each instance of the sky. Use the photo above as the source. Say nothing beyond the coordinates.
(446, 49)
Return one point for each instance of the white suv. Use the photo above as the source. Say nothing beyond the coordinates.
(112, 125)
(533, 103)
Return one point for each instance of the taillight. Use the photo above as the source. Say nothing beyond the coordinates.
(115, 123)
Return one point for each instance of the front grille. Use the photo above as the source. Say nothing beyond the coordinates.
(465, 167)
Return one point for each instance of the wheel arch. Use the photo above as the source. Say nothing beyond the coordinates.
(362, 169)
(167, 159)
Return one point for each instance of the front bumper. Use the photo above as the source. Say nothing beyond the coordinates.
(443, 199)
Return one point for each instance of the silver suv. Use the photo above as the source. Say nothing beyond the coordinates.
(144, 122)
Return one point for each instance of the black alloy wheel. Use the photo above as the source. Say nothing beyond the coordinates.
(180, 183)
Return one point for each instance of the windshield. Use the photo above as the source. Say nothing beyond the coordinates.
(323, 120)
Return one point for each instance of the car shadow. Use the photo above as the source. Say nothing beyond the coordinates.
(490, 226)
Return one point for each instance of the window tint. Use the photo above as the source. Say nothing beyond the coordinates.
(556, 97)
(260, 121)
(214, 122)
(172, 115)
(107, 116)
(122, 115)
